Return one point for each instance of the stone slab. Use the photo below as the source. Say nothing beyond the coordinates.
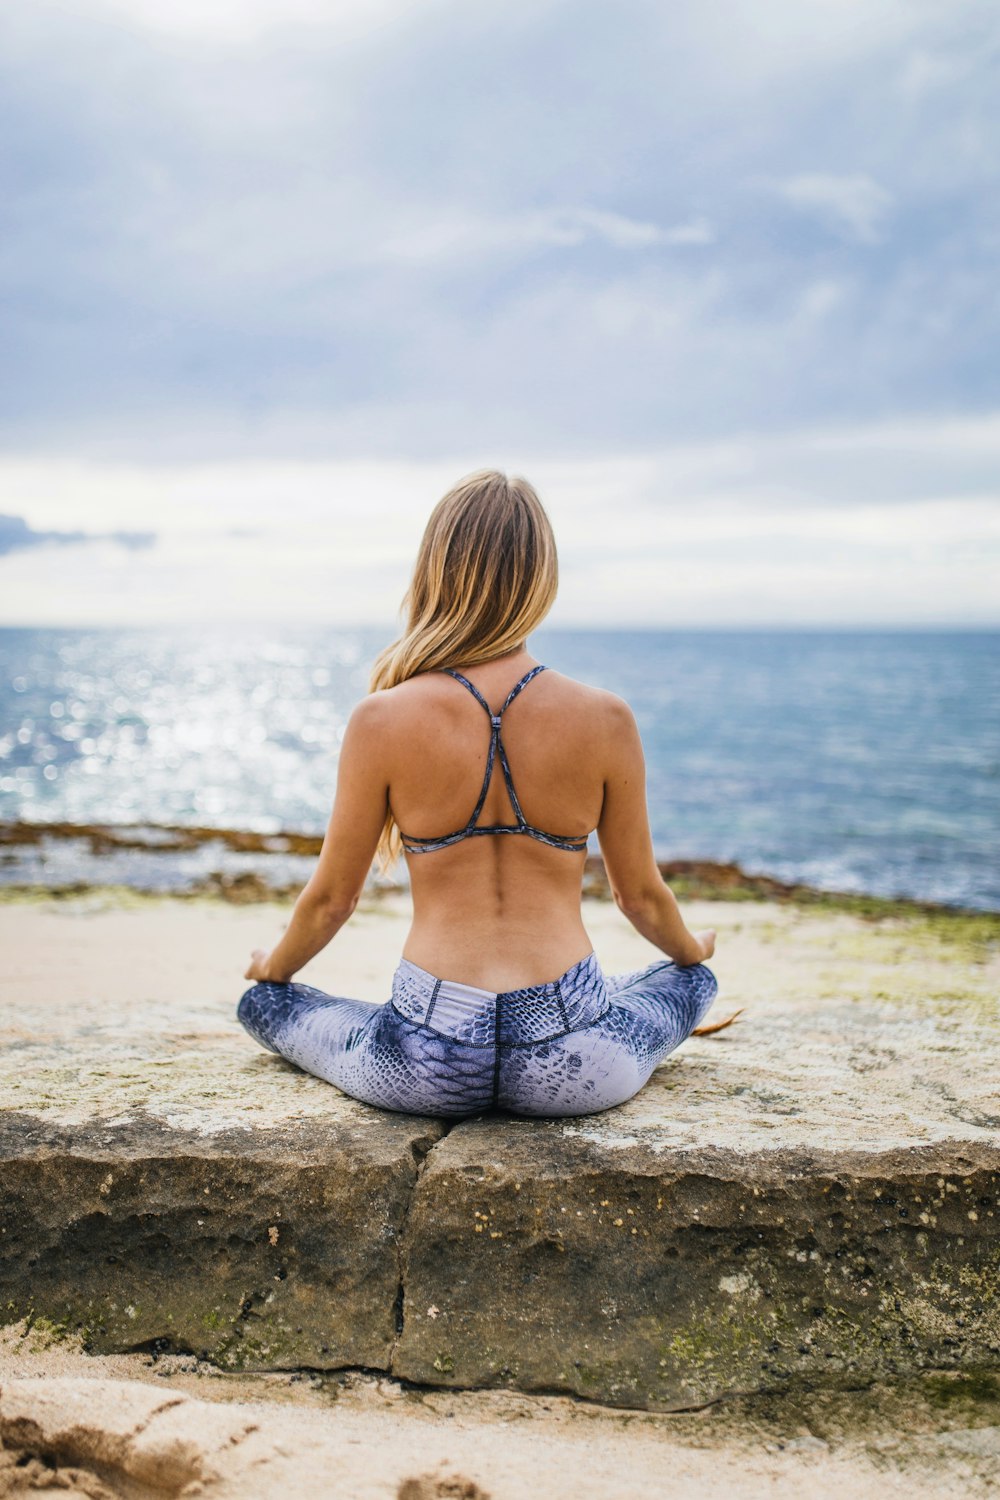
(649, 1275)
(809, 1197)
(274, 1248)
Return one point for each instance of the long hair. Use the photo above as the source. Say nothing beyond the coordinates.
(486, 575)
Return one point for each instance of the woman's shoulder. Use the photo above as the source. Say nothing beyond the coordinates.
(413, 693)
(387, 707)
(607, 706)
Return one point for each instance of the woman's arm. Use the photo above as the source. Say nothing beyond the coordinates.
(332, 891)
(626, 843)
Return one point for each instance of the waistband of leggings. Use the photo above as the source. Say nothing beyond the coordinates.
(478, 1017)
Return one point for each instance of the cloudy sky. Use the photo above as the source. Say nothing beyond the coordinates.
(722, 277)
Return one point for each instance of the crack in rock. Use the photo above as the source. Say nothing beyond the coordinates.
(422, 1150)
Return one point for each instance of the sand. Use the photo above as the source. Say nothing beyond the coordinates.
(130, 1426)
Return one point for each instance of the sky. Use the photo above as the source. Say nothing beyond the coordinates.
(720, 277)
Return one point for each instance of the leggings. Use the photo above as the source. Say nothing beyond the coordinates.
(574, 1046)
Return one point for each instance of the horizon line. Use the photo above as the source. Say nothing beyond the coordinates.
(778, 627)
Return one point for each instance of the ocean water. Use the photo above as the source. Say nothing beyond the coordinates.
(850, 761)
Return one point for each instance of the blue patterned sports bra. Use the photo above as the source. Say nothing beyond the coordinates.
(426, 846)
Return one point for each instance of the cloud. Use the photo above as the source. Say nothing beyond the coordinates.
(466, 237)
(880, 523)
(853, 205)
(16, 535)
(574, 226)
(239, 21)
(923, 72)
(267, 230)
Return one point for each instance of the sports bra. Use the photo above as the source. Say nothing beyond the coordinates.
(557, 841)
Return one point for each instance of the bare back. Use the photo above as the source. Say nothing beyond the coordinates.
(495, 907)
(496, 911)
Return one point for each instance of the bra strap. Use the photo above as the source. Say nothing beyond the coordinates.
(522, 821)
(517, 688)
(473, 690)
(496, 744)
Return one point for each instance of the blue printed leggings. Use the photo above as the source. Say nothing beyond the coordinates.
(574, 1046)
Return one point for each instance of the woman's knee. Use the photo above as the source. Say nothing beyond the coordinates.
(704, 979)
(703, 989)
(250, 1001)
(258, 1013)
(687, 991)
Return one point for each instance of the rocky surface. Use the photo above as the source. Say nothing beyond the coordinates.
(268, 1249)
(810, 1198)
(242, 866)
(654, 1276)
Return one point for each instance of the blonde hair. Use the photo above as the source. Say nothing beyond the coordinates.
(486, 574)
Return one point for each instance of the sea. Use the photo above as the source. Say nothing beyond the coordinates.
(848, 761)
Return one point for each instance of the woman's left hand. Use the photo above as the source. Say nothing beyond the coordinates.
(257, 968)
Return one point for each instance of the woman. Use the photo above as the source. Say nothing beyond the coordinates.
(479, 752)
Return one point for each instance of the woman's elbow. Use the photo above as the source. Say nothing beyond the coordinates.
(631, 904)
(339, 911)
(641, 901)
(330, 907)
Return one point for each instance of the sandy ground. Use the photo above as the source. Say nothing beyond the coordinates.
(130, 1426)
(156, 960)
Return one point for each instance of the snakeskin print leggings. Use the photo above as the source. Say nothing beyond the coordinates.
(577, 1045)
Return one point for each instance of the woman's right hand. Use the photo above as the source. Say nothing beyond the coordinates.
(707, 940)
